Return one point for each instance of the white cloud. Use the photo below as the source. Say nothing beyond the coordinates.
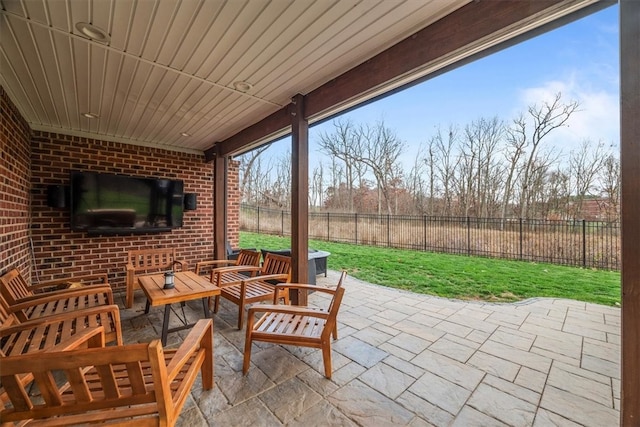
(598, 118)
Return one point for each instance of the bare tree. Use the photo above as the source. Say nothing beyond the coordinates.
(416, 184)
(558, 193)
(250, 181)
(316, 190)
(584, 164)
(381, 149)
(610, 180)
(445, 162)
(343, 144)
(546, 118)
(516, 138)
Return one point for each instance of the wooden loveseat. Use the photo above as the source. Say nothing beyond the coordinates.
(148, 261)
(135, 384)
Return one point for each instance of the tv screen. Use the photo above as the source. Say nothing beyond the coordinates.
(114, 204)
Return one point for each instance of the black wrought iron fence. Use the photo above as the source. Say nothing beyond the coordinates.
(582, 243)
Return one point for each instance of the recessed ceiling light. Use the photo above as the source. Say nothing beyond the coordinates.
(185, 134)
(93, 32)
(90, 115)
(241, 86)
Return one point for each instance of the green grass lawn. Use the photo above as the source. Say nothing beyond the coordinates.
(458, 276)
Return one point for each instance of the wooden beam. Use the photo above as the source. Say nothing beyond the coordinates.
(220, 206)
(630, 168)
(299, 195)
(271, 127)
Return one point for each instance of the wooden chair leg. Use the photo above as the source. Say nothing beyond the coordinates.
(208, 366)
(129, 302)
(335, 332)
(247, 351)
(216, 303)
(326, 358)
(241, 313)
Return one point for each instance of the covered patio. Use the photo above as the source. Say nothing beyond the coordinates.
(409, 359)
(176, 89)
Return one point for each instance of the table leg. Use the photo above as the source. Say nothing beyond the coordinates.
(205, 307)
(146, 307)
(165, 324)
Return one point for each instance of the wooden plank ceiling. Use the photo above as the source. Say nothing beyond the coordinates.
(168, 75)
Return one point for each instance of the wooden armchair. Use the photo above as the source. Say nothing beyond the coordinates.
(138, 384)
(295, 325)
(15, 288)
(148, 261)
(61, 332)
(245, 257)
(241, 290)
(26, 304)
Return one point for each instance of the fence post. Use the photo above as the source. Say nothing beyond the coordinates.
(584, 243)
(388, 230)
(520, 239)
(468, 236)
(258, 219)
(328, 219)
(356, 219)
(424, 231)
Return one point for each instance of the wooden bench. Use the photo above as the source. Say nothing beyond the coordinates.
(137, 384)
(148, 261)
(26, 303)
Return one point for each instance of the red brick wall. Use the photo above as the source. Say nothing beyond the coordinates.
(60, 252)
(14, 188)
(33, 160)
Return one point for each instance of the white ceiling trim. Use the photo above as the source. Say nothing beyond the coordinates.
(80, 134)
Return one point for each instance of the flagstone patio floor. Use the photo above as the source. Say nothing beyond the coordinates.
(414, 360)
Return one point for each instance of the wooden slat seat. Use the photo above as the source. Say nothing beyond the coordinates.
(45, 334)
(295, 325)
(241, 290)
(149, 261)
(139, 384)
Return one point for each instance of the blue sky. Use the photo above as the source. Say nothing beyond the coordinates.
(580, 60)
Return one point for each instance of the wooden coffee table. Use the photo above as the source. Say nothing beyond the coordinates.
(188, 286)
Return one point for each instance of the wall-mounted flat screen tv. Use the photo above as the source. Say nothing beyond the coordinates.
(104, 203)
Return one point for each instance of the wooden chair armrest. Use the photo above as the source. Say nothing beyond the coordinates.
(266, 277)
(184, 265)
(191, 344)
(92, 337)
(236, 268)
(299, 286)
(101, 279)
(287, 309)
(201, 264)
(32, 300)
(305, 286)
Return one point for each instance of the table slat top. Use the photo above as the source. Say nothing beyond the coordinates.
(188, 286)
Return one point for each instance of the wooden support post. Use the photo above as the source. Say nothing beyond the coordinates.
(630, 161)
(220, 206)
(299, 195)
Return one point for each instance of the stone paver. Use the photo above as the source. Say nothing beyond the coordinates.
(414, 360)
